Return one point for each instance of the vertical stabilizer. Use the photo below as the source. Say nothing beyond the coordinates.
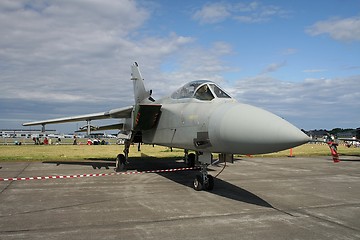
(140, 93)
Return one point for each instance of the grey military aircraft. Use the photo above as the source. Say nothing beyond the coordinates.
(201, 117)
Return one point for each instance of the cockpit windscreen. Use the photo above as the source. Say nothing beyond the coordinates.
(201, 89)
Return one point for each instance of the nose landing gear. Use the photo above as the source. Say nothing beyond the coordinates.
(204, 181)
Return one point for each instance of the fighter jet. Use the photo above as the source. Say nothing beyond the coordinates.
(200, 117)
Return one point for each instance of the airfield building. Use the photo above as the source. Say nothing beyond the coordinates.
(25, 133)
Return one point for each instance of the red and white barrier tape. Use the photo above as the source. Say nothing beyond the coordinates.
(95, 174)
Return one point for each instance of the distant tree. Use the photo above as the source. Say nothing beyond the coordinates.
(336, 131)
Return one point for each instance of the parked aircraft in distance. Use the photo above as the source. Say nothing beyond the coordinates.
(355, 140)
(200, 116)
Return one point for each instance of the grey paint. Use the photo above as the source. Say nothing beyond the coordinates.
(201, 116)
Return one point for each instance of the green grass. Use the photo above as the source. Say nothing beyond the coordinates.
(82, 152)
(77, 152)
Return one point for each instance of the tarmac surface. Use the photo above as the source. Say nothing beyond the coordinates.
(253, 198)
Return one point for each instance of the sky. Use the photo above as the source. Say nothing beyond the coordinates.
(297, 59)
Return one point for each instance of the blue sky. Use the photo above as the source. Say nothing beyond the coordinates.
(298, 59)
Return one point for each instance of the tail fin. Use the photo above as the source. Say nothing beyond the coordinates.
(140, 93)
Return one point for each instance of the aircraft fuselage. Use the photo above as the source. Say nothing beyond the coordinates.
(221, 125)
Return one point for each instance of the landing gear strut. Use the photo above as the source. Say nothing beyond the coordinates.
(122, 159)
(204, 181)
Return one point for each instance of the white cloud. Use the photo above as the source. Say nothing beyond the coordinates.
(273, 67)
(252, 12)
(212, 12)
(200, 63)
(256, 12)
(61, 58)
(306, 103)
(58, 50)
(346, 29)
(314, 70)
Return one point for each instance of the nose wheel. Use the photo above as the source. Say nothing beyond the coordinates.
(204, 181)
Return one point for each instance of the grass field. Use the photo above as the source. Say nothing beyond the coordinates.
(84, 152)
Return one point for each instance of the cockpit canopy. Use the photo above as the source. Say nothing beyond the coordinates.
(200, 89)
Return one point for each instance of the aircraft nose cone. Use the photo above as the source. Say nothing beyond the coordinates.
(244, 129)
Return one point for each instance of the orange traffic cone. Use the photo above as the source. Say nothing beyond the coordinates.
(291, 153)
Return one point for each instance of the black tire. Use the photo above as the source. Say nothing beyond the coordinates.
(198, 183)
(191, 160)
(120, 163)
(210, 184)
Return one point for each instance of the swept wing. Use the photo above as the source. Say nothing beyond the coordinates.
(114, 113)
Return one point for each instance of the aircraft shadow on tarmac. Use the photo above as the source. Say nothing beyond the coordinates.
(185, 178)
(348, 157)
(98, 164)
(347, 160)
(222, 188)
